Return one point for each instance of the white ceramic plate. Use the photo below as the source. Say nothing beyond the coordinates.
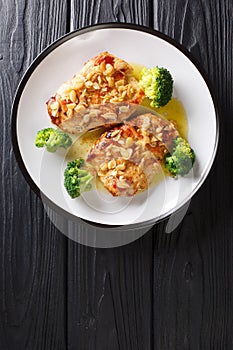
(62, 60)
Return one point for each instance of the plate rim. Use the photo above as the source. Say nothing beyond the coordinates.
(46, 51)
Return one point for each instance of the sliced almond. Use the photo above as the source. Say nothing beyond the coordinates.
(54, 113)
(119, 64)
(124, 109)
(111, 164)
(54, 105)
(110, 81)
(109, 115)
(126, 153)
(129, 141)
(109, 69)
(120, 83)
(86, 118)
(78, 84)
(104, 166)
(115, 132)
(73, 96)
(71, 105)
(122, 184)
(96, 86)
(88, 84)
(120, 166)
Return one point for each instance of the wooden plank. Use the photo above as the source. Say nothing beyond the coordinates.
(193, 266)
(109, 290)
(89, 12)
(109, 296)
(33, 252)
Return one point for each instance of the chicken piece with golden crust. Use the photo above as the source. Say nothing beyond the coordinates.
(123, 163)
(123, 178)
(157, 132)
(78, 104)
(127, 157)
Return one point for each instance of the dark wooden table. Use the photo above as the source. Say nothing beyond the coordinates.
(162, 292)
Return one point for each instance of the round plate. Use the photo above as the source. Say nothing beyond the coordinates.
(58, 63)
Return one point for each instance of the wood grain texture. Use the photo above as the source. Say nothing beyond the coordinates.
(33, 253)
(193, 303)
(109, 296)
(89, 12)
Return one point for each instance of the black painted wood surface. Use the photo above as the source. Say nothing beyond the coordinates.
(164, 291)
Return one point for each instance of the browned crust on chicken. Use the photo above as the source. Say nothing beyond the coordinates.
(105, 79)
(156, 131)
(116, 153)
(92, 117)
(124, 178)
(123, 142)
(131, 154)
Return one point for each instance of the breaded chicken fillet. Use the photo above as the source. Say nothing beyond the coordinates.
(156, 131)
(127, 157)
(122, 161)
(102, 93)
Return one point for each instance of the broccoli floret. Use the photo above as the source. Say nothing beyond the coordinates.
(58, 139)
(157, 84)
(76, 180)
(43, 136)
(180, 162)
(52, 139)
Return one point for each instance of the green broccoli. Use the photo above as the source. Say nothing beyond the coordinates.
(180, 162)
(157, 84)
(52, 139)
(76, 180)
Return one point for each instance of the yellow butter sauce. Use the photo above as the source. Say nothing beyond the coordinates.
(158, 177)
(83, 143)
(174, 110)
(137, 68)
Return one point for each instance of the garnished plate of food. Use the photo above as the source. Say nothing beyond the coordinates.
(115, 124)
